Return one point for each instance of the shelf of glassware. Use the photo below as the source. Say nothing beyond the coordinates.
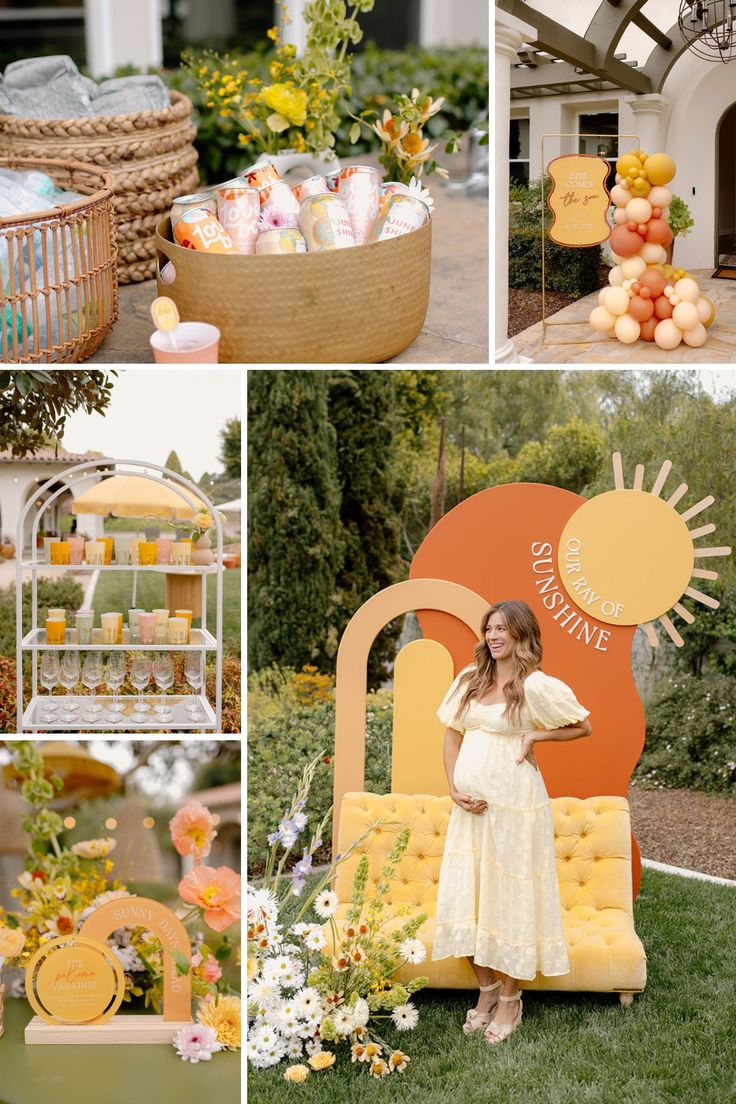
(35, 641)
(169, 569)
(35, 716)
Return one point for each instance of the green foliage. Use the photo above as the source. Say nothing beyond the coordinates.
(574, 271)
(230, 455)
(691, 736)
(34, 405)
(570, 457)
(54, 593)
(680, 219)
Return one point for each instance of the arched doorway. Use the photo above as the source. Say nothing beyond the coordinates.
(726, 193)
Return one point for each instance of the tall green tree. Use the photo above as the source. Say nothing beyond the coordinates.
(230, 455)
(295, 545)
(362, 410)
(34, 405)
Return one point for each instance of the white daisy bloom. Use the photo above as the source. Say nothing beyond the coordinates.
(313, 1017)
(313, 1047)
(265, 1037)
(413, 950)
(305, 1000)
(418, 191)
(361, 1013)
(291, 949)
(325, 903)
(299, 929)
(264, 994)
(262, 901)
(287, 1020)
(315, 940)
(273, 1055)
(405, 1017)
(294, 1048)
(343, 1021)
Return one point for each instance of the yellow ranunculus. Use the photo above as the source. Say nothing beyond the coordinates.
(322, 1060)
(289, 102)
(296, 1074)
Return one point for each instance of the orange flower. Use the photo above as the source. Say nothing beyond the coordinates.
(412, 143)
(193, 830)
(217, 891)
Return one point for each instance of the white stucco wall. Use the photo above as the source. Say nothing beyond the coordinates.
(17, 483)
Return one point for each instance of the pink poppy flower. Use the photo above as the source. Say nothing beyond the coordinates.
(193, 830)
(212, 972)
(273, 218)
(217, 891)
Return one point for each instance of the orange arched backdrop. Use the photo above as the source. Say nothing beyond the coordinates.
(496, 543)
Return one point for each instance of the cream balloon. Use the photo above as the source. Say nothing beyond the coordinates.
(633, 267)
(685, 316)
(660, 197)
(639, 210)
(666, 214)
(616, 259)
(696, 337)
(619, 195)
(704, 309)
(688, 290)
(653, 254)
(601, 293)
(620, 216)
(667, 335)
(602, 320)
(627, 329)
(616, 300)
(616, 276)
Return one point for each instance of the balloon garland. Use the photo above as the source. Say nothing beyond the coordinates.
(646, 298)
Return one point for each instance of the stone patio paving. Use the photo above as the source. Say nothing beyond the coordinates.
(720, 348)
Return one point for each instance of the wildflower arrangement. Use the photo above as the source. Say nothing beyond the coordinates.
(405, 152)
(306, 1001)
(202, 522)
(62, 886)
(297, 108)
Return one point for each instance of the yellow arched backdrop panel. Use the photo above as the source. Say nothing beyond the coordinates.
(423, 671)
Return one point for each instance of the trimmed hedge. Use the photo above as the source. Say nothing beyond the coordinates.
(575, 271)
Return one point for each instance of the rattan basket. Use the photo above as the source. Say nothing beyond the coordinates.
(149, 153)
(59, 288)
(355, 306)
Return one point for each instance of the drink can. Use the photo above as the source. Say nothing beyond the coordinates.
(239, 211)
(391, 187)
(315, 185)
(278, 195)
(284, 239)
(401, 215)
(325, 223)
(199, 229)
(260, 175)
(193, 202)
(360, 188)
(333, 179)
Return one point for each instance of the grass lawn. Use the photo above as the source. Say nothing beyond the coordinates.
(676, 1043)
(114, 592)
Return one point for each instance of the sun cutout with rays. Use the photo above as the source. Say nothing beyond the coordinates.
(627, 556)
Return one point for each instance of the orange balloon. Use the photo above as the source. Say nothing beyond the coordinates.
(662, 307)
(654, 280)
(659, 232)
(624, 242)
(646, 331)
(641, 309)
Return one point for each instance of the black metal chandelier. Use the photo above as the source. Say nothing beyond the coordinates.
(709, 28)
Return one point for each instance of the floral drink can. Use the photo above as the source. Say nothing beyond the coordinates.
(315, 185)
(360, 188)
(193, 202)
(199, 229)
(333, 179)
(262, 174)
(325, 223)
(239, 211)
(391, 187)
(282, 239)
(401, 215)
(278, 196)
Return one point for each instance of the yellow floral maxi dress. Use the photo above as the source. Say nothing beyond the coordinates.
(498, 898)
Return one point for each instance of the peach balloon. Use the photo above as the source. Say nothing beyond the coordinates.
(641, 309)
(639, 210)
(696, 337)
(619, 195)
(653, 254)
(662, 307)
(602, 320)
(633, 267)
(654, 280)
(627, 329)
(667, 334)
(706, 311)
(659, 232)
(625, 242)
(685, 316)
(687, 289)
(660, 197)
(617, 275)
(616, 300)
(620, 216)
(646, 332)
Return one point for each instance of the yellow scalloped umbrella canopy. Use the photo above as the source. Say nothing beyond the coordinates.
(134, 496)
(76, 767)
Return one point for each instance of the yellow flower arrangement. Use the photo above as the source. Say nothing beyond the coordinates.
(405, 152)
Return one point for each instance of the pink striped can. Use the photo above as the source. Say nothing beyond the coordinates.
(359, 188)
(401, 215)
(283, 239)
(239, 211)
(325, 223)
(278, 196)
(262, 174)
(315, 185)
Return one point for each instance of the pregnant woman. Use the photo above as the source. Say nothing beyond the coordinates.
(498, 901)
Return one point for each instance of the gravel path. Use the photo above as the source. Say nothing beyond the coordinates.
(686, 828)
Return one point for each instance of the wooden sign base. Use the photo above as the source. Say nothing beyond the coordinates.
(120, 1029)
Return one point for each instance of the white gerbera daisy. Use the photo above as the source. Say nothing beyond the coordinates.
(418, 191)
(342, 1020)
(287, 1020)
(315, 940)
(295, 1048)
(361, 1013)
(264, 994)
(413, 950)
(405, 1017)
(325, 903)
(265, 1037)
(313, 1047)
(262, 901)
(305, 1000)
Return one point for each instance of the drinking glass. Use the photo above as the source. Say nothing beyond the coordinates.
(92, 677)
(50, 671)
(108, 543)
(114, 679)
(147, 626)
(69, 677)
(94, 552)
(140, 676)
(181, 553)
(162, 625)
(135, 628)
(84, 620)
(76, 549)
(109, 622)
(163, 550)
(60, 552)
(193, 675)
(163, 674)
(122, 550)
(55, 630)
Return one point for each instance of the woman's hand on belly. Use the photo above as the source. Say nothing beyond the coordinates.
(526, 751)
(469, 804)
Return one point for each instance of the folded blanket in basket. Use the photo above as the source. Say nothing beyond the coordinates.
(124, 95)
(53, 88)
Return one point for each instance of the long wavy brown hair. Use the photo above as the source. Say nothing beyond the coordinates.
(526, 655)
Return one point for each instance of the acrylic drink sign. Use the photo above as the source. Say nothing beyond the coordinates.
(76, 985)
(579, 200)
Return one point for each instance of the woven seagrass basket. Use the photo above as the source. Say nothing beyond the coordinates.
(149, 153)
(58, 278)
(357, 306)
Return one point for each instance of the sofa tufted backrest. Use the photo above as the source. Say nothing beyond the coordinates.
(592, 848)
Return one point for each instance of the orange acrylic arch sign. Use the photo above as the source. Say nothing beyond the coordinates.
(142, 912)
(579, 200)
(503, 543)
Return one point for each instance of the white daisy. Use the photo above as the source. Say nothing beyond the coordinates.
(343, 1021)
(325, 903)
(405, 1017)
(305, 1000)
(361, 1013)
(287, 1020)
(264, 994)
(273, 1055)
(299, 929)
(265, 1037)
(313, 1017)
(418, 191)
(413, 950)
(291, 949)
(315, 940)
(313, 1047)
(294, 1048)
(262, 901)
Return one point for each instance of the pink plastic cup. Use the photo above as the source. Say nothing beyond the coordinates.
(147, 623)
(196, 343)
(76, 549)
(164, 546)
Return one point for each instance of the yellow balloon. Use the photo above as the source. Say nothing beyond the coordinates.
(641, 187)
(627, 163)
(660, 168)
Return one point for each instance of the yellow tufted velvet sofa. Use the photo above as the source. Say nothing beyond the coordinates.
(593, 851)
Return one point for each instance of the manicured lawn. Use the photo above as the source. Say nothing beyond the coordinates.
(675, 1043)
(114, 591)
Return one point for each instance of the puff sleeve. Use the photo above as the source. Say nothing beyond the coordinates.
(551, 702)
(448, 708)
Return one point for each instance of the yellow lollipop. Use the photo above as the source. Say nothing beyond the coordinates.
(165, 317)
(12, 941)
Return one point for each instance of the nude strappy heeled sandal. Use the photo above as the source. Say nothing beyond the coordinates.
(496, 1032)
(475, 1020)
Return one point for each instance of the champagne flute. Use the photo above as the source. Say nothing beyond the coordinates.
(163, 674)
(193, 675)
(114, 679)
(91, 678)
(69, 677)
(50, 671)
(140, 676)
